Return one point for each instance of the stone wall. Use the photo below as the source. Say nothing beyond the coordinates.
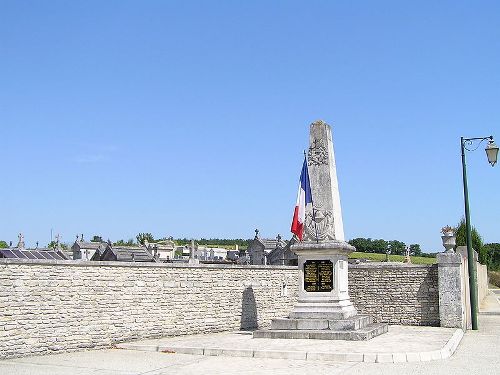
(52, 306)
(48, 306)
(396, 293)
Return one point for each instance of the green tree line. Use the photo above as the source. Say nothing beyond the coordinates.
(141, 238)
(215, 242)
(380, 246)
(489, 253)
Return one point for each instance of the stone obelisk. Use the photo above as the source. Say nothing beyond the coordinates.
(323, 309)
(322, 255)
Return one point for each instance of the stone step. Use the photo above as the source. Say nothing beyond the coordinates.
(349, 324)
(365, 333)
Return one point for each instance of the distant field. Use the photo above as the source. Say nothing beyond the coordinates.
(392, 258)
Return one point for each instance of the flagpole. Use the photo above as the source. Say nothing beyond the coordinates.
(312, 203)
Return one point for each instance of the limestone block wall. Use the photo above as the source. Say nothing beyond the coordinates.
(396, 293)
(48, 306)
(52, 306)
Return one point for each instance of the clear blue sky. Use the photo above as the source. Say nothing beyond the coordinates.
(188, 118)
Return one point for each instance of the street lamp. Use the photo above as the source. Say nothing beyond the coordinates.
(492, 154)
(491, 151)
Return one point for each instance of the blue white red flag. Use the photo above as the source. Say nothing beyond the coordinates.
(304, 197)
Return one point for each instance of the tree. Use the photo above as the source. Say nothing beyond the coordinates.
(130, 242)
(397, 247)
(361, 244)
(477, 241)
(492, 253)
(3, 245)
(415, 250)
(379, 246)
(143, 237)
(96, 239)
(53, 245)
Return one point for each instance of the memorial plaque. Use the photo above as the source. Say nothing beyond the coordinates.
(318, 276)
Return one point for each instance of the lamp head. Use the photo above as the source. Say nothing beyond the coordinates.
(492, 152)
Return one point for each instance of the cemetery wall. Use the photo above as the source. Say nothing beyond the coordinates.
(396, 293)
(48, 306)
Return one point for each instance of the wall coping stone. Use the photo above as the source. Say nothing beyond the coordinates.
(72, 263)
(79, 263)
(390, 265)
(449, 259)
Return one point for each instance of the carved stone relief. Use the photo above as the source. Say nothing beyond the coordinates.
(318, 152)
(319, 225)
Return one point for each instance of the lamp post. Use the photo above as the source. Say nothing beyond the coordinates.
(492, 154)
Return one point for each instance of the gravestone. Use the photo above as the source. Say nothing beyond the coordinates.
(324, 309)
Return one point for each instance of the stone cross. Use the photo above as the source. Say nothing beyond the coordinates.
(20, 244)
(324, 221)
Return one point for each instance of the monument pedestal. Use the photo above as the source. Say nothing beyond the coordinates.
(323, 291)
(324, 309)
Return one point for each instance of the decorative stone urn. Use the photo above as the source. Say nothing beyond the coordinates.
(449, 241)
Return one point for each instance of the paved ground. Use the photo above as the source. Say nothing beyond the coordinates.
(491, 304)
(478, 353)
(400, 344)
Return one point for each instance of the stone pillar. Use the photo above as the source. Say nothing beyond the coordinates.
(452, 304)
(193, 259)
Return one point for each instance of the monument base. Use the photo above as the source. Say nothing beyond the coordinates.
(324, 326)
(354, 328)
(318, 310)
(323, 310)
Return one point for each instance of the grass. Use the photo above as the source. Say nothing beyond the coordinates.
(392, 258)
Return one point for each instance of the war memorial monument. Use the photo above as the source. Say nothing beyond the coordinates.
(323, 309)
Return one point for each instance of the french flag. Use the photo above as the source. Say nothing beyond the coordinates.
(304, 197)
